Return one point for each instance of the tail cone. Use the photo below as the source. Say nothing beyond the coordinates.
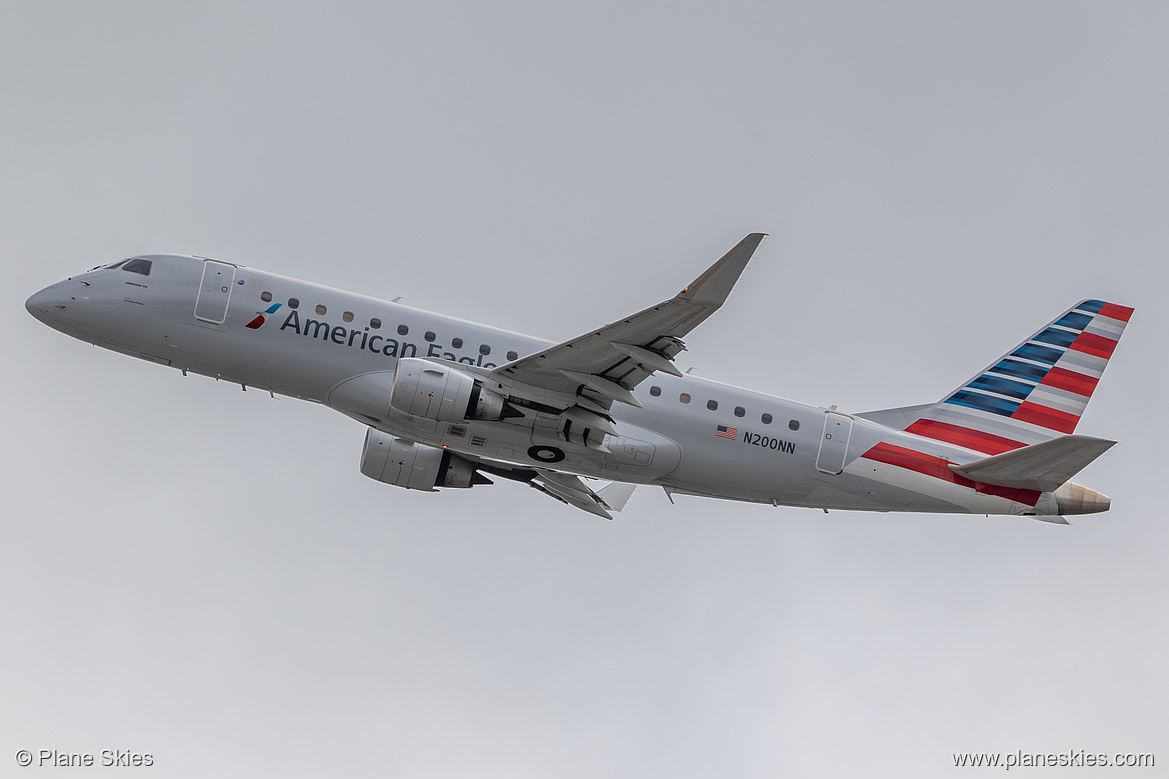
(1075, 499)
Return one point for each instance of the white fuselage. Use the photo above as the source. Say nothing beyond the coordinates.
(778, 451)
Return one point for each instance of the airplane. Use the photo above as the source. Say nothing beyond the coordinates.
(452, 403)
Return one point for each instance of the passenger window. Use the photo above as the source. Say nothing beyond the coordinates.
(794, 424)
(266, 297)
(456, 343)
(403, 330)
(484, 350)
(512, 356)
(740, 411)
(429, 335)
(684, 398)
(375, 324)
(138, 266)
(712, 405)
(293, 303)
(321, 310)
(347, 316)
(655, 391)
(766, 419)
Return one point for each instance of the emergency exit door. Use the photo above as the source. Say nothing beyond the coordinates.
(834, 443)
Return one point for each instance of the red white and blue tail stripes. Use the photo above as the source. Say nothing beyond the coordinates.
(1036, 392)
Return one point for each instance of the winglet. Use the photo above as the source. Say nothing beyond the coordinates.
(713, 286)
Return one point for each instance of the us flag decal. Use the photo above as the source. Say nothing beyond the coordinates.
(722, 431)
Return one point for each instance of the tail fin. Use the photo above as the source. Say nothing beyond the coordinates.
(1034, 393)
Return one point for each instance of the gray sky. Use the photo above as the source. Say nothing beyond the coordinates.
(204, 575)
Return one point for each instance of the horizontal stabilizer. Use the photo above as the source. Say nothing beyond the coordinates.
(1044, 467)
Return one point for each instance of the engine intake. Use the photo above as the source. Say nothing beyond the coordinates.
(391, 460)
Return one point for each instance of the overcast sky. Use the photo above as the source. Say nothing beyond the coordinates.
(204, 575)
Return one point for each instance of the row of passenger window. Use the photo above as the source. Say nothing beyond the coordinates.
(375, 324)
(765, 418)
(484, 349)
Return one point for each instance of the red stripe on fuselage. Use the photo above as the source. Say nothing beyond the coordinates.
(1097, 345)
(938, 468)
(1046, 417)
(962, 436)
(1063, 379)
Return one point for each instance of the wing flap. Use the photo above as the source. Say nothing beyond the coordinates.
(571, 490)
(566, 487)
(1045, 466)
(572, 498)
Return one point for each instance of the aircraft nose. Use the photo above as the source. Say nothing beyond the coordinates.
(49, 304)
(40, 303)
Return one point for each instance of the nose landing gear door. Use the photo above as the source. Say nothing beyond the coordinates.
(214, 292)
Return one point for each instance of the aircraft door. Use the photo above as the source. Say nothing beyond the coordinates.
(214, 292)
(834, 443)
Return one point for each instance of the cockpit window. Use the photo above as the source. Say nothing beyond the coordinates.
(111, 266)
(138, 266)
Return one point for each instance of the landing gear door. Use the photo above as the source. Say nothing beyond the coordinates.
(214, 292)
(834, 443)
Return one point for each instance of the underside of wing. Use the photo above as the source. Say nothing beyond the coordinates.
(589, 373)
(567, 488)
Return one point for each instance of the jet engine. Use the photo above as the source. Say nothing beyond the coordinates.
(391, 460)
(439, 391)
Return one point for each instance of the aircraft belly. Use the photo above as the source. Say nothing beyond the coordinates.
(722, 468)
(219, 356)
(912, 491)
(851, 491)
(638, 456)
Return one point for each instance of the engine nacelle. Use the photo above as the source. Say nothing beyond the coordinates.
(391, 460)
(439, 391)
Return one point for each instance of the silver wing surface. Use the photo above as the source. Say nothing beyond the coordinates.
(566, 488)
(582, 378)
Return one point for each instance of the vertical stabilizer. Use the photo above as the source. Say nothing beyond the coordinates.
(1034, 393)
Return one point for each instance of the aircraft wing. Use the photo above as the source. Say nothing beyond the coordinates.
(572, 490)
(566, 488)
(604, 365)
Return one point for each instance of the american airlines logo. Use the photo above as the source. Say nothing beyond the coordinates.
(258, 322)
